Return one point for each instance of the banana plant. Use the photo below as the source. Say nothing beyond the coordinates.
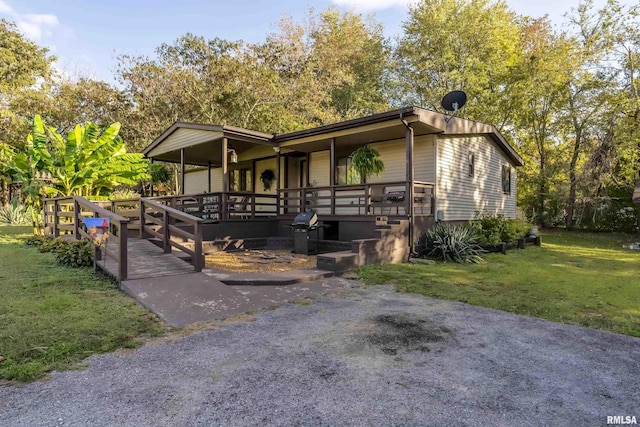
(86, 163)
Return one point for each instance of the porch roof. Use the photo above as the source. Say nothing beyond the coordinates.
(385, 126)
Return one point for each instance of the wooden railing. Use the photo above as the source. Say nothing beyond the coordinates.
(171, 225)
(64, 216)
(223, 206)
(361, 199)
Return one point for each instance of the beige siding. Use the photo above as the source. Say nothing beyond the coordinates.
(319, 169)
(424, 164)
(196, 181)
(261, 166)
(459, 196)
(183, 138)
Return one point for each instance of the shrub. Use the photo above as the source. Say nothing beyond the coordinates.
(52, 245)
(76, 254)
(35, 240)
(495, 229)
(14, 214)
(450, 243)
(123, 194)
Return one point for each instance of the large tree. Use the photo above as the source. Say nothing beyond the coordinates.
(469, 45)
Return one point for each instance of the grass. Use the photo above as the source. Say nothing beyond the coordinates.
(52, 317)
(585, 279)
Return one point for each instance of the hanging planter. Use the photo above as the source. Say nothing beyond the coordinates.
(366, 161)
(266, 177)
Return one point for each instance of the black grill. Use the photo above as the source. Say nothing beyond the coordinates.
(307, 219)
(303, 223)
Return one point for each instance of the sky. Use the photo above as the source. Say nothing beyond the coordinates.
(87, 36)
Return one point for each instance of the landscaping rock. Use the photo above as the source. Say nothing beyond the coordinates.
(421, 261)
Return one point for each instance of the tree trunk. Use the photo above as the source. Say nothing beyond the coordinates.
(4, 192)
(571, 200)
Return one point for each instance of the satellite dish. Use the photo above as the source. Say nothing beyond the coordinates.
(453, 101)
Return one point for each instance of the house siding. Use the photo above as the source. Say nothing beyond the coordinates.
(196, 181)
(459, 196)
(184, 138)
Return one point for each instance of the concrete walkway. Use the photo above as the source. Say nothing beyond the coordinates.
(184, 299)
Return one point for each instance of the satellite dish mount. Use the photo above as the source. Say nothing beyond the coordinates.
(453, 101)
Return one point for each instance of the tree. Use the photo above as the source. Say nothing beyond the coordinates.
(469, 45)
(87, 162)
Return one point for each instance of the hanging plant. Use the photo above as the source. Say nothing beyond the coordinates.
(366, 161)
(266, 177)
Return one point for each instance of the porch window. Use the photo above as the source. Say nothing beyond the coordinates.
(506, 179)
(472, 164)
(240, 180)
(344, 174)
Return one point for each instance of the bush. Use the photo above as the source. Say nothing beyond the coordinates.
(14, 214)
(495, 229)
(35, 240)
(450, 243)
(76, 254)
(52, 245)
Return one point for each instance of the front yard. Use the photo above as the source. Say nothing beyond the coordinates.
(579, 278)
(52, 316)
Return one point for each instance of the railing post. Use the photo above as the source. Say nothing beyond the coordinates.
(122, 265)
(333, 198)
(166, 245)
(76, 219)
(56, 219)
(141, 219)
(303, 200)
(197, 236)
(253, 205)
(223, 207)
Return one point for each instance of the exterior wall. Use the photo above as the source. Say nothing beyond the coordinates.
(458, 195)
(196, 181)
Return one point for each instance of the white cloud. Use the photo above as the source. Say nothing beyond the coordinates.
(5, 8)
(33, 26)
(373, 4)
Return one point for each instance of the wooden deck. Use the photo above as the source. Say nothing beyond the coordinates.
(145, 259)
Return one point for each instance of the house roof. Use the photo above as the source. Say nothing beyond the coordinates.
(377, 127)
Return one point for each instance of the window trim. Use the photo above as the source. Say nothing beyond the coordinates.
(506, 178)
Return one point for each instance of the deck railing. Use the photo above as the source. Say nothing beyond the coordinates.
(170, 225)
(64, 216)
(223, 206)
(361, 199)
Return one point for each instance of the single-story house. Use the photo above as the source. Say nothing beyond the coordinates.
(249, 184)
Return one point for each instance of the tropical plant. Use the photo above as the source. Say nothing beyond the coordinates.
(14, 214)
(450, 243)
(87, 163)
(366, 161)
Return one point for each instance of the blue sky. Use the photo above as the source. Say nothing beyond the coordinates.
(87, 35)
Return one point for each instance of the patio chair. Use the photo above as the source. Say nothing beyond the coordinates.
(240, 208)
(378, 199)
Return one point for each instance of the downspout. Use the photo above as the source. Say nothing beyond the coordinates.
(410, 180)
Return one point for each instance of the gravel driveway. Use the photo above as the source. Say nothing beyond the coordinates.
(368, 357)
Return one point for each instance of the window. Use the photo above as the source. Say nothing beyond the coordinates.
(472, 164)
(240, 180)
(506, 179)
(344, 174)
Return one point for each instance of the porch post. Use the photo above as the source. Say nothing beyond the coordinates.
(151, 185)
(410, 182)
(182, 170)
(225, 179)
(225, 171)
(209, 177)
(278, 180)
(332, 174)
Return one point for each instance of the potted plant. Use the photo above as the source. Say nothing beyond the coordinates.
(266, 177)
(366, 161)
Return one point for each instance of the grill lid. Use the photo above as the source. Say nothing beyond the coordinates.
(308, 218)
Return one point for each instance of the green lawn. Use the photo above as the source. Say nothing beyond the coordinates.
(584, 279)
(52, 316)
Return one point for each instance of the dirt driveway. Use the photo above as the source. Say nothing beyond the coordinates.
(369, 357)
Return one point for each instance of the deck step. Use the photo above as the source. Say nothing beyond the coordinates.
(273, 279)
(338, 261)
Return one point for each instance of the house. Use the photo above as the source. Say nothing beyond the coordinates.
(250, 185)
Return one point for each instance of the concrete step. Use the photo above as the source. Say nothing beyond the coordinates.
(338, 261)
(273, 279)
